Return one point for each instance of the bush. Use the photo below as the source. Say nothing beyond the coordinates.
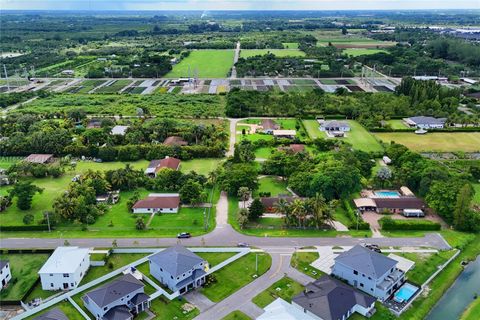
(28, 218)
(388, 223)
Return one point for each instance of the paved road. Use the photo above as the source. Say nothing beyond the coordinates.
(235, 60)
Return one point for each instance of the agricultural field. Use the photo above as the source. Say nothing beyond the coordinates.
(358, 136)
(435, 142)
(114, 86)
(355, 52)
(208, 64)
(246, 53)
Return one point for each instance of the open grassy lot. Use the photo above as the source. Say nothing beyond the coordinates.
(243, 269)
(285, 124)
(208, 63)
(284, 288)
(397, 124)
(215, 258)
(264, 153)
(473, 311)
(247, 53)
(438, 142)
(200, 166)
(66, 307)
(237, 315)
(290, 45)
(24, 268)
(358, 136)
(476, 197)
(302, 260)
(165, 309)
(273, 185)
(355, 52)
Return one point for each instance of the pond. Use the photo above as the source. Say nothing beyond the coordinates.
(460, 295)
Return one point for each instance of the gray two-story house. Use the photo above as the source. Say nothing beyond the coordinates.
(120, 299)
(369, 271)
(178, 268)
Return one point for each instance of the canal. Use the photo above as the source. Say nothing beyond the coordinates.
(460, 295)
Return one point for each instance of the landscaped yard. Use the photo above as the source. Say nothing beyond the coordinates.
(208, 63)
(66, 307)
(358, 136)
(246, 53)
(243, 270)
(285, 124)
(215, 258)
(397, 124)
(200, 166)
(168, 310)
(273, 185)
(284, 288)
(302, 260)
(237, 315)
(435, 142)
(24, 268)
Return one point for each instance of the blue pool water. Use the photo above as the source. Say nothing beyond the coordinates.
(387, 194)
(405, 292)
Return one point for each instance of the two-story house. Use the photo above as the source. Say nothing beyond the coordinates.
(369, 271)
(178, 268)
(5, 273)
(120, 299)
(65, 268)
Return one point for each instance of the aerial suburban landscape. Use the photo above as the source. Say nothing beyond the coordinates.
(236, 160)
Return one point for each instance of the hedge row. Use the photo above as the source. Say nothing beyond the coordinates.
(25, 228)
(388, 223)
(362, 225)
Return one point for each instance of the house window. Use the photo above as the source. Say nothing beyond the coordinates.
(369, 278)
(371, 289)
(66, 275)
(361, 285)
(51, 274)
(171, 277)
(161, 270)
(355, 272)
(105, 309)
(363, 275)
(51, 285)
(71, 284)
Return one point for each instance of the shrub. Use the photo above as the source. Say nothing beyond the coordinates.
(388, 223)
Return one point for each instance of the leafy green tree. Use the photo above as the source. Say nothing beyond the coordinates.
(24, 191)
(242, 217)
(191, 192)
(244, 152)
(140, 224)
(256, 209)
(462, 207)
(28, 218)
(243, 194)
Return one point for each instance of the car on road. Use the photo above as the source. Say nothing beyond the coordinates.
(183, 235)
(242, 245)
(373, 247)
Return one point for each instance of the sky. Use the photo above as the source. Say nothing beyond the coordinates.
(236, 4)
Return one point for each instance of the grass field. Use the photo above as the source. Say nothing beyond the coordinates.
(272, 185)
(476, 197)
(358, 137)
(290, 45)
(438, 142)
(355, 52)
(237, 315)
(24, 268)
(208, 63)
(243, 269)
(284, 288)
(263, 153)
(302, 260)
(293, 52)
(473, 311)
(397, 124)
(168, 310)
(425, 264)
(200, 166)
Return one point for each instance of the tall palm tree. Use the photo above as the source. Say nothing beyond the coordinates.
(298, 211)
(282, 207)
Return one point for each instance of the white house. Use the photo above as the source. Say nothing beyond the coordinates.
(158, 203)
(282, 310)
(422, 122)
(65, 268)
(119, 130)
(337, 126)
(5, 273)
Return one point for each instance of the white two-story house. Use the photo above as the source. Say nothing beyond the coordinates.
(65, 268)
(5, 273)
(120, 299)
(178, 268)
(369, 271)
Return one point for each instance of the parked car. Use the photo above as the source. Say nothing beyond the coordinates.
(373, 247)
(183, 235)
(242, 245)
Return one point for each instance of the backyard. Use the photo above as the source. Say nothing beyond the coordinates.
(208, 64)
(272, 184)
(284, 288)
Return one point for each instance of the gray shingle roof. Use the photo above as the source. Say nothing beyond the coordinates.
(3, 263)
(114, 290)
(118, 313)
(54, 314)
(428, 120)
(176, 260)
(366, 261)
(330, 299)
(335, 124)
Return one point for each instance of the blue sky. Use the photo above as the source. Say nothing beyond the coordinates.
(236, 4)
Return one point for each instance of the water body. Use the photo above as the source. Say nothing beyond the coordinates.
(460, 295)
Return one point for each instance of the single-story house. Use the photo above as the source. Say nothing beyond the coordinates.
(469, 81)
(425, 122)
(119, 130)
(39, 158)
(280, 309)
(65, 268)
(110, 197)
(331, 299)
(175, 141)
(269, 203)
(365, 204)
(158, 203)
(4, 180)
(395, 205)
(94, 124)
(341, 126)
(268, 126)
(178, 268)
(157, 165)
(288, 134)
(5, 273)
(293, 148)
(54, 314)
(120, 299)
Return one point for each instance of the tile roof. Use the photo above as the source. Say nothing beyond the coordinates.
(118, 313)
(335, 124)
(330, 299)
(114, 290)
(366, 261)
(176, 260)
(159, 200)
(64, 260)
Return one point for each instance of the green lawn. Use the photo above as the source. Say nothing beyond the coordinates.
(273, 185)
(66, 307)
(236, 315)
(168, 310)
(243, 270)
(473, 311)
(24, 268)
(263, 153)
(435, 142)
(397, 124)
(200, 166)
(355, 52)
(247, 53)
(284, 288)
(215, 258)
(290, 45)
(358, 136)
(476, 197)
(6, 162)
(208, 63)
(302, 260)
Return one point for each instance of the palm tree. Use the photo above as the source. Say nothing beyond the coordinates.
(298, 211)
(282, 207)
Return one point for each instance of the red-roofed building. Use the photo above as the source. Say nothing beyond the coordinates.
(158, 202)
(156, 165)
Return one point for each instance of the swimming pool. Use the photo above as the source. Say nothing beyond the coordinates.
(387, 194)
(405, 292)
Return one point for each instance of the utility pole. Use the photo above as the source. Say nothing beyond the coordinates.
(6, 77)
(256, 263)
(48, 221)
